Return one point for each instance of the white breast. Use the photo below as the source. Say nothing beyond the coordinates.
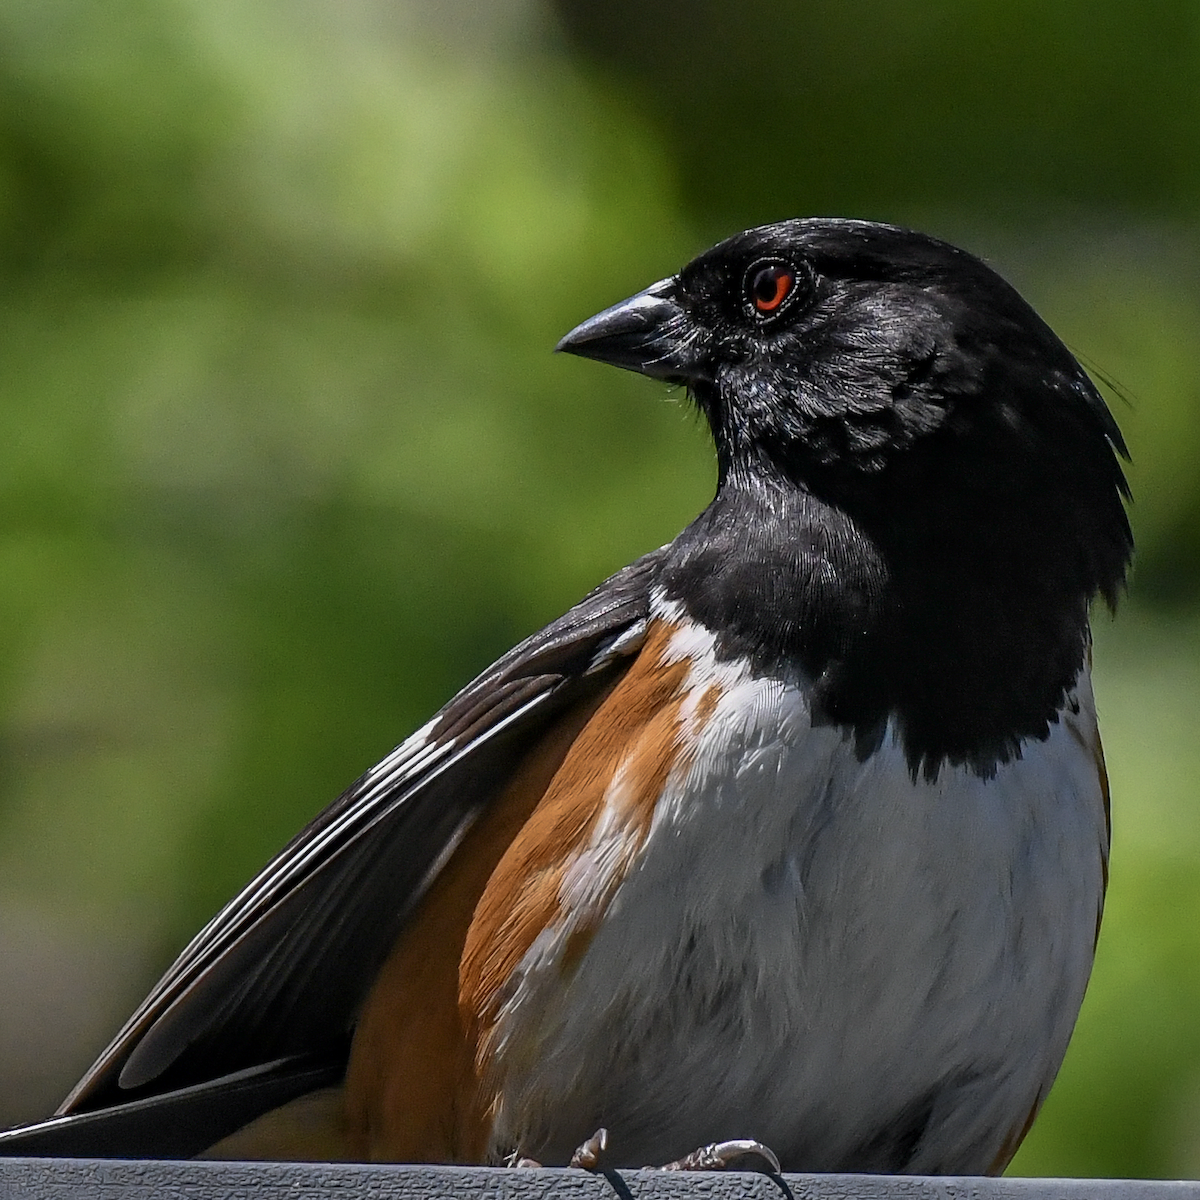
(864, 971)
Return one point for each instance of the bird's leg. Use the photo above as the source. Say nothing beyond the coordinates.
(720, 1156)
(587, 1154)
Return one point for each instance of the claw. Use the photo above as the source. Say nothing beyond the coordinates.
(587, 1154)
(517, 1159)
(719, 1156)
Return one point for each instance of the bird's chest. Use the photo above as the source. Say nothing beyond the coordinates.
(799, 946)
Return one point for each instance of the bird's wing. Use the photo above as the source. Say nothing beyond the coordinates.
(175, 1124)
(282, 969)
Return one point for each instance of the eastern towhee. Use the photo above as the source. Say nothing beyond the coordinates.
(795, 829)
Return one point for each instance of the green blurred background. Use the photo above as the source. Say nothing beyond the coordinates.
(285, 457)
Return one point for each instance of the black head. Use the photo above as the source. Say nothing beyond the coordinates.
(901, 387)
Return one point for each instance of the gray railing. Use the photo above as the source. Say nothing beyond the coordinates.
(109, 1179)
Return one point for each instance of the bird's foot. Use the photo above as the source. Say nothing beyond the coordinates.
(721, 1156)
(517, 1159)
(587, 1154)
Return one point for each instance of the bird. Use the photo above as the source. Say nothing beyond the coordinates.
(792, 834)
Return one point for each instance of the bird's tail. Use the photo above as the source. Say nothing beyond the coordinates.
(176, 1124)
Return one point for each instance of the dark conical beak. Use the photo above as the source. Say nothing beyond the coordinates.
(649, 333)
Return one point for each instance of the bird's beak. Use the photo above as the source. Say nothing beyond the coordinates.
(649, 333)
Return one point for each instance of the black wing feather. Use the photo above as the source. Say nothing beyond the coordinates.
(179, 1124)
(281, 971)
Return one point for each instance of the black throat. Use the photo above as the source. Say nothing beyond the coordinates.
(965, 624)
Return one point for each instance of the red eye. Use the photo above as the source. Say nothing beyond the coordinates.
(770, 285)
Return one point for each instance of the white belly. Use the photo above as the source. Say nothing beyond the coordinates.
(864, 971)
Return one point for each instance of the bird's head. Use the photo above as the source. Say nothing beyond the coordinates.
(891, 374)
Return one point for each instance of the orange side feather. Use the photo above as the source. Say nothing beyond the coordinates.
(635, 731)
(411, 1091)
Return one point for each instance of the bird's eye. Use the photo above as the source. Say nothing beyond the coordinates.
(768, 285)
